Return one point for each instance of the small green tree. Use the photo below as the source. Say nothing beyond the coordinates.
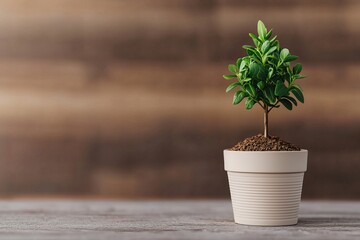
(264, 76)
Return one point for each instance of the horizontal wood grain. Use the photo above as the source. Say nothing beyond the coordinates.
(177, 219)
(94, 94)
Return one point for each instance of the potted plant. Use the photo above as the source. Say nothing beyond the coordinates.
(265, 173)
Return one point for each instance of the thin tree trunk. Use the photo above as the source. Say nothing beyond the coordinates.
(266, 121)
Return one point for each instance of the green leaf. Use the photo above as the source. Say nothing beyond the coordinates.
(232, 68)
(238, 61)
(246, 60)
(255, 39)
(246, 80)
(242, 65)
(254, 69)
(249, 103)
(280, 89)
(272, 49)
(284, 53)
(265, 46)
(227, 77)
(269, 94)
(260, 85)
(270, 72)
(298, 94)
(232, 85)
(299, 76)
(291, 99)
(255, 55)
(291, 58)
(251, 90)
(288, 70)
(238, 97)
(273, 39)
(247, 47)
(297, 68)
(261, 30)
(265, 100)
(286, 103)
(268, 35)
(252, 51)
(296, 86)
(276, 43)
(261, 75)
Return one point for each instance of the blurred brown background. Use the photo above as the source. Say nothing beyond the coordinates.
(125, 98)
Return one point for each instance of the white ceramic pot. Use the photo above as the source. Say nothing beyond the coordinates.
(266, 186)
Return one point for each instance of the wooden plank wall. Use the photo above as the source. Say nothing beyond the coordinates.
(125, 98)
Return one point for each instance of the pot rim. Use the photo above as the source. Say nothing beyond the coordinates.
(266, 161)
(301, 150)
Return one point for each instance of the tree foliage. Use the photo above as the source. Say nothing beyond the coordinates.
(264, 75)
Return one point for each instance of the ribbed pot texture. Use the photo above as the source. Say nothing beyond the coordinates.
(265, 187)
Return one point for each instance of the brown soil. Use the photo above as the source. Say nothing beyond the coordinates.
(261, 143)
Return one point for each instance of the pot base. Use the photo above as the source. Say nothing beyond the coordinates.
(269, 223)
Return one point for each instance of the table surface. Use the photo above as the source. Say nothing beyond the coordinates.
(174, 219)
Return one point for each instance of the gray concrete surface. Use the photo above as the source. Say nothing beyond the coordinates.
(180, 219)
